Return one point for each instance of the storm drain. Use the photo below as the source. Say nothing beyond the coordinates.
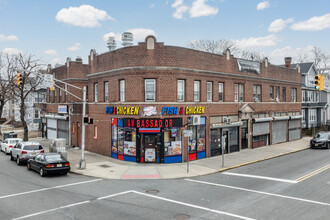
(181, 216)
(104, 166)
(152, 191)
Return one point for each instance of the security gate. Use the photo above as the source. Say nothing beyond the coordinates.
(51, 128)
(279, 131)
(63, 130)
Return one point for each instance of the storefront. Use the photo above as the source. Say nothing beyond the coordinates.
(279, 129)
(295, 127)
(147, 140)
(261, 131)
(196, 143)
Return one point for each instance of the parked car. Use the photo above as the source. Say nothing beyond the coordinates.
(321, 140)
(47, 163)
(8, 144)
(24, 151)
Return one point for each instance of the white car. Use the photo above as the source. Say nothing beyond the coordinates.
(8, 144)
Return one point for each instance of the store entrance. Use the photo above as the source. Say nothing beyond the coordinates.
(152, 148)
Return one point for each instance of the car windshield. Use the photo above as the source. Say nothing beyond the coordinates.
(321, 136)
(53, 158)
(32, 147)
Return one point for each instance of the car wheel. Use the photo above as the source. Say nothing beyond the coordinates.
(42, 172)
(11, 157)
(28, 166)
(18, 161)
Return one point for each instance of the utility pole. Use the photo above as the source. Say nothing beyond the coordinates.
(82, 163)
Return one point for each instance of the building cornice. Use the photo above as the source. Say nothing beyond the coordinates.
(197, 71)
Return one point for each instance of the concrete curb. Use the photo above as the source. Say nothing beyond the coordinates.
(256, 161)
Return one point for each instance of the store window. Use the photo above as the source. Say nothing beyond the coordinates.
(106, 91)
(196, 142)
(150, 90)
(209, 91)
(122, 90)
(129, 142)
(172, 142)
(196, 91)
(181, 88)
(221, 92)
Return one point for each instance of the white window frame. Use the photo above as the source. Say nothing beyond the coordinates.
(95, 92)
(181, 90)
(106, 91)
(293, 95)
(197, 89)
(303, 112)
(122, 90)
(312, 114)
(209, 88)
(221, 95)
(303, 96)
(257, 92)
(150, 96)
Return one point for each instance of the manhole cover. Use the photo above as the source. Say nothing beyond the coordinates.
(105, 166)
(152, 191)
(181, 216)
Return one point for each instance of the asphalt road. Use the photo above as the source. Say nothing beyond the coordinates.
(295, 186)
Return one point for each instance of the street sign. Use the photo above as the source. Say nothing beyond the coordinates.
(187, 133)
(48, 80)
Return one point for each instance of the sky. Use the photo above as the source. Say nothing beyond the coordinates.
(53, 30)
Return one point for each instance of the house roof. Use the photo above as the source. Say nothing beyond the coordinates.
(305, 67)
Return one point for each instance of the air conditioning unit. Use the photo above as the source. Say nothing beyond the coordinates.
(255, 99)
(277, 100)
(195, 119)
(228, 120)
(224, 120)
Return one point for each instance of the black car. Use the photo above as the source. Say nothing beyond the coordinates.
(47, 163)
(321, 140)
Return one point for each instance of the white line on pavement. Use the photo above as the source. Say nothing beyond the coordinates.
(113, 195)
(49, 188)
(260, 177)
(51, 210)
(260, 192)
(194, 206)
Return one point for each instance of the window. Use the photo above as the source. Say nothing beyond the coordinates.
(181, 88)
(95, 92)
(293, 95)
(50, 96)
(36, 98)
(122, 90)
(257, 93)
(95, 131)
(36, 113)
(220, 92)
(239, 92)
(150, 90)
(283, 94)
(312, 114)
(209, 91)
(303, 97)
(60, 95)
(271, 91)
(277, 93)
(106, 91)
(303, 114)
(55, 95)
(197, 91)
(317, 96)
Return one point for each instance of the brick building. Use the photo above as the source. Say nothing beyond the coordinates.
(143, 99)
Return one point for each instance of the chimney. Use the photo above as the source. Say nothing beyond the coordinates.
(288, 61)
(79, 60)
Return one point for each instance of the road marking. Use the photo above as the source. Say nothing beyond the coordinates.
(49, 188)
(139, 193)
(260, 177)
(194, 206)
(51, 210)
(141, 176)
(313, 173)
(260, 192)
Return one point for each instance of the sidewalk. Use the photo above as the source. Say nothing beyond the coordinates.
(106, 167)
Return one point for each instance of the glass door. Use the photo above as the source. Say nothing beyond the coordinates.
(150, 148)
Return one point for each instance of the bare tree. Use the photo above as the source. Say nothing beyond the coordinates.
(320, 59)
(5, 87)
(30, 68)
(220, 46)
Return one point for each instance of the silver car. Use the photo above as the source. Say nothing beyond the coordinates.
(8, 144)
(24, 151)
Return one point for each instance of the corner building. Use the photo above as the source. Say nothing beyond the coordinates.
(166, 104)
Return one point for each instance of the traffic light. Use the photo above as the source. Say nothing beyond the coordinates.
(19, 79)
(53, 86)
(319, 82)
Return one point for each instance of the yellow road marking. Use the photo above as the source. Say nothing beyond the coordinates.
(313, 173)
